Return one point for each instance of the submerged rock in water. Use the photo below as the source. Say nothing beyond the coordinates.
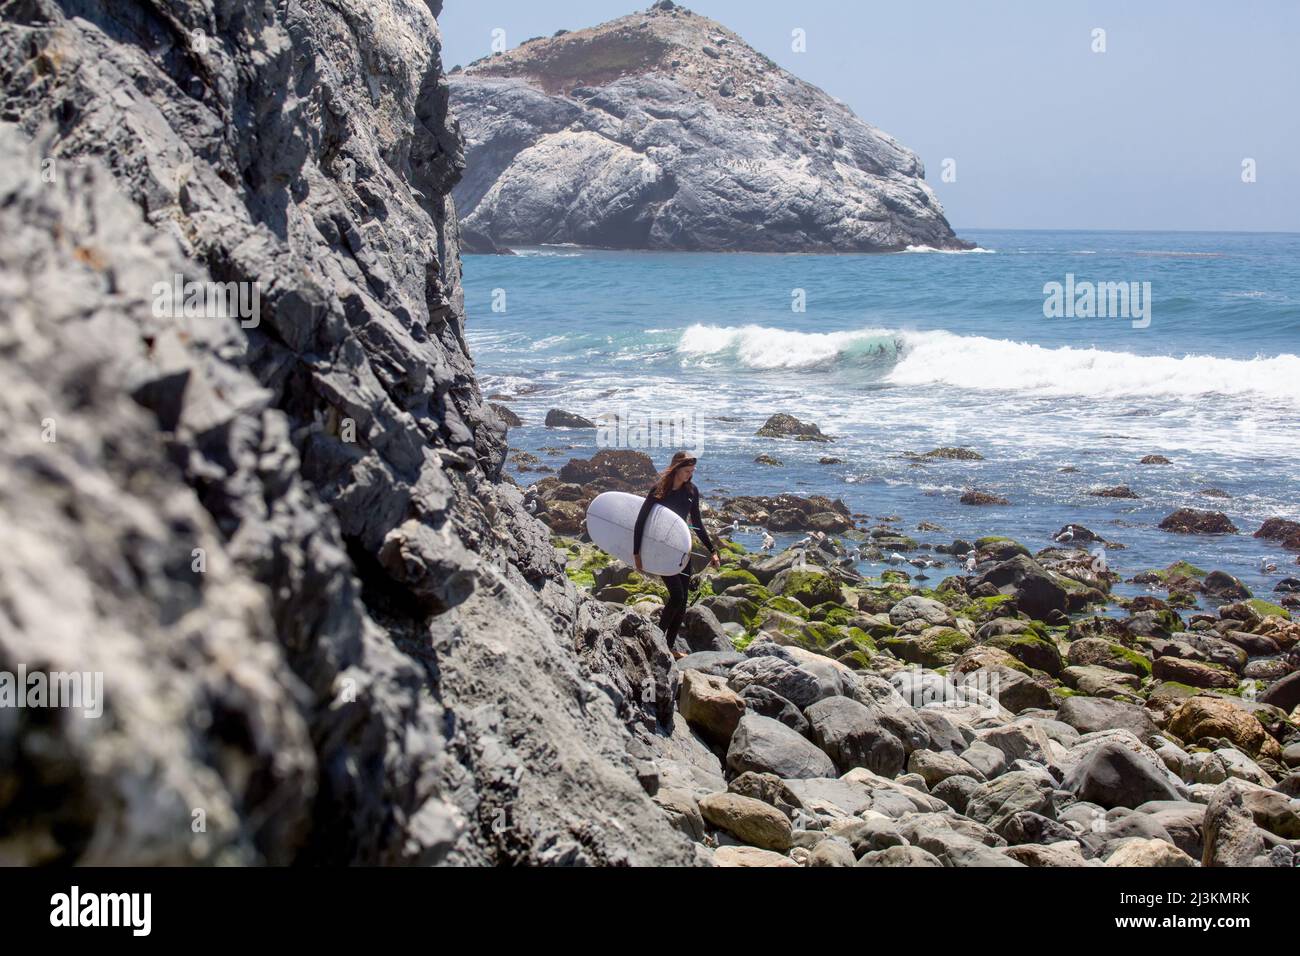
(1194, 521)
(787, 426)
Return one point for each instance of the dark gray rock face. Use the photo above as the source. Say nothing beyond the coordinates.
(376, 661)
(1035, 590)
(1113, 776)
(852, 736)
(665, 130)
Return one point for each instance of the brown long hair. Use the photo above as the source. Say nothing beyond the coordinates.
(665, 482)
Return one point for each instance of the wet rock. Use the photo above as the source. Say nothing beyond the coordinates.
(1194, 521)
(976, 497)
(558, 418)
(1036, 592)
(787, 426)
(1118, 491)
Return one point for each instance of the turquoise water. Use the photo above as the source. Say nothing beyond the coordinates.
(902, 353)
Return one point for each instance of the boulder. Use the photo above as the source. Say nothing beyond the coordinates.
(789, 680)
(768, 703)
(787, 426)
(1192, 673)
(1137, 851)
(832, 852)
(1113, 776)
(1036, 592)
(768, 746)
(1284, 693)
(937, 766)
(710, 706)
(1200, 717)
(1195, 521)
(808, 587)
(702, 631)
(557, 418)
(751, 821)
(852, 736)
(749, 856)
(904, 856)
(920, 608)
(1231, 836)
(1090, 714)
(996, 802)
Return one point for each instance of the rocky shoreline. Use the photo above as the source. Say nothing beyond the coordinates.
(826, 717)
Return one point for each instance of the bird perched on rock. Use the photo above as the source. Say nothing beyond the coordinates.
(1066, 535)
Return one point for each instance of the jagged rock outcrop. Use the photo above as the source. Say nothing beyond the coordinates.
(665, 130)
(322, 618)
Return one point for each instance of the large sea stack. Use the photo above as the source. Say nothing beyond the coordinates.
(665, 130)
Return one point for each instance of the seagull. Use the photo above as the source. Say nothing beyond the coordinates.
(970, 561)
(768, 542)
(920, 563)
(1067, 534)
(1267, 565)
(532, 507)
(734, 526)
(895, 558)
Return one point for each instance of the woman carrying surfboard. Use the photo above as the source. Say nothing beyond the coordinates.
(675, 491)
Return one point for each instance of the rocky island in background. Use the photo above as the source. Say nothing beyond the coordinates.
(665, 130)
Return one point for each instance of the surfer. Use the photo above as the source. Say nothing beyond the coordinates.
(675, 491)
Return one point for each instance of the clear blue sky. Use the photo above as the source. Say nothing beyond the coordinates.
(1046, 134)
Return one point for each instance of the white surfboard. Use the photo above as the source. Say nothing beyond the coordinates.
(665, 540)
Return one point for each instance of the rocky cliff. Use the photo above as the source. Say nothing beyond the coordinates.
(665, 130)
(328, 630)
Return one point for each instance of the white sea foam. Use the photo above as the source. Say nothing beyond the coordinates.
(974, 362)
(953, 252)
(760, 347)
(986, 364)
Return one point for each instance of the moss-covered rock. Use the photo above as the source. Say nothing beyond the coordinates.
(581, 561)
(984, 609)
(1032, 649)
(751, 592)
(807, 586)
(1265, 609)
(933, 647)
(832, 613)
(730, 575)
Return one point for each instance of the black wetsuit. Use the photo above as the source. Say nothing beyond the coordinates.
(685, 503)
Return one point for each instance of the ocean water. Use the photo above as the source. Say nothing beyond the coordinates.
(892, 354)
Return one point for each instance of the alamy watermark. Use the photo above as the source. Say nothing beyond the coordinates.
(208, 300)
(640, 430)
(57, 689)
(1102, 300)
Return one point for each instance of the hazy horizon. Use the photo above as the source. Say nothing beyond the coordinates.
(1214, 87)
